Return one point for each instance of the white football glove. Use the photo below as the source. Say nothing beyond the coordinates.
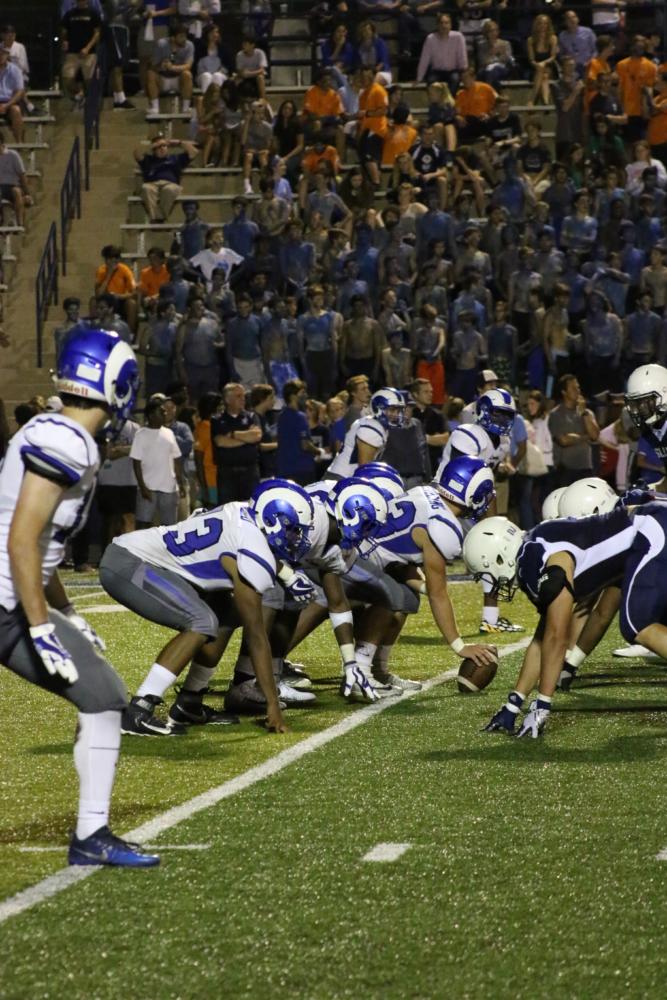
(299, 586)
(80, 623)
(56, 659)
(534, 722)
(353, 674)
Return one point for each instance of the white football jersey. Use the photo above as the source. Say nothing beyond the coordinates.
(193, 548)
(475, 441)
(366, 429)
(421, 507)
(60, 449)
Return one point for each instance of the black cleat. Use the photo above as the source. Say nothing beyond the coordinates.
(139, 719)
(189, 710)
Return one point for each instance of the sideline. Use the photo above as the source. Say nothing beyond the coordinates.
(66, 877)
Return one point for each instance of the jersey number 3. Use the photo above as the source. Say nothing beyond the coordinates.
(185, 543)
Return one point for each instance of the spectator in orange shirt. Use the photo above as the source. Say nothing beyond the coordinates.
(207, 470)
(475, 103)
(152, 278)
(324, 103)
(636, 76)
(115, 278)
(373, 123)
(400, 137)
(317, 153)
(657, 126)
(605, 46)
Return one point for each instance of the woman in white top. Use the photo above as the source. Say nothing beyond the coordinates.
(642, 160)
(540, 440)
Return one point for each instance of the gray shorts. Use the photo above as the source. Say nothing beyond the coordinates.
(164, 597)
(163, 508)
(371, 585)
(98, 687)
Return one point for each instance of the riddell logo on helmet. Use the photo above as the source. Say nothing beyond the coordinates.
(65, 385)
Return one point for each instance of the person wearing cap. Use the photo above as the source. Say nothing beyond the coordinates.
(12, 93)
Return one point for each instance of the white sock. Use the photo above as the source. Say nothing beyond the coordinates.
(244, 665)
(490, 615)
(198, 678)
(186, 104)
(154, 107)
(95, 755)
(118, 96)
(364, 652)
(157, 681)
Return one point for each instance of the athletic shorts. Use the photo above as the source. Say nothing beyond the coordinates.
(164, 597)
(163, 508)
(98, 687)
(369, 583)
(644, 590)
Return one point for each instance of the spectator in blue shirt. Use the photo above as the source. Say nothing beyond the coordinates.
(579, 229)
(296, 451)
(577, 42)
(244, 345)
(241, 233)
(296, 258)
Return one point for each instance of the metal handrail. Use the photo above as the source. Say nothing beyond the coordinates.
(46, 285)
(70, 199)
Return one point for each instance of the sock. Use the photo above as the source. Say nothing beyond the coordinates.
(514, 702)
(186, 104)
(277, 664)
(154, 107)
(156, 681)
(95, 755)
(364, 652)
(198, 677)
(490, 615)
(243, 670)
(543, 703)
(118, 96)
(382, 657)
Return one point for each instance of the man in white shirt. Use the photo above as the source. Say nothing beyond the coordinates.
(158, 466)
(444, 54)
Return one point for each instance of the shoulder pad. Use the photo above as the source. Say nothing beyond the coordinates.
(56, 450)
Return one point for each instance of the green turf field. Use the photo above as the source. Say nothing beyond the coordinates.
(531, 870)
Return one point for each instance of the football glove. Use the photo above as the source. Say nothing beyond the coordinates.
(636, 496)
(80, 623)
(567, 675)
(55, 658)
(502, 722)
(534, 723)
(353, 674)
(300, 588)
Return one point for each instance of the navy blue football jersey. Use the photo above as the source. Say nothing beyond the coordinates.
(599, 546)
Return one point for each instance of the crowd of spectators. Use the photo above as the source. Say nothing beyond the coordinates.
(436, 250)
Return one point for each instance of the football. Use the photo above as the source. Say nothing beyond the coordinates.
(472, 679)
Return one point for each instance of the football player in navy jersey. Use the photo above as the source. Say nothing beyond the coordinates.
(558, 565)
(46, 487)
(203, 577)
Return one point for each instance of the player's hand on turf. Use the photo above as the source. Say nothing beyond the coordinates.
(274, 721)
(300, 588)
(534, 722)
(87, 630)
(480, 653)
(55, 658)
(502, 722)
(354, 675)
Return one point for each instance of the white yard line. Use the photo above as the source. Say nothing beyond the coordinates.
(62, 879)
(89, 594)
(102, 609)
(386, 852)
(661, 855)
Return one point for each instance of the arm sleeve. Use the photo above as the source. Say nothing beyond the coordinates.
(58, 452)
(446, 536)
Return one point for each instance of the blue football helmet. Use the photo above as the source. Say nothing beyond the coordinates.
(496, 411)
(388, 406)
(382, 475)
(361, 511)
(284, 513)
(467, 482)
(98, 365)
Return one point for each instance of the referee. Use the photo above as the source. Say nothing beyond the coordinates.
(236, 436)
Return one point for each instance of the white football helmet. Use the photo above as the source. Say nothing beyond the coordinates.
(587, 497)
(490, 552)
(550, 506)
(284, 514)
(361, 510)
(646, 395)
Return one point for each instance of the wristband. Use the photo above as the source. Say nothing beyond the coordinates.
(286, 573)
(457, 645)
(347, 652)
(39, 631)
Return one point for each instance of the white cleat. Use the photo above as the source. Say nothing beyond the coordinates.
(293, 697)
(637, 651)
(402, 682)
(381, 690)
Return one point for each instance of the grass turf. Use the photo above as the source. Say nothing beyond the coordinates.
(532, 870)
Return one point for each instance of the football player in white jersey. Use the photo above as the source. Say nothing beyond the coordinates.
(423, 530)
(367, 437)
(489, 440)
(203, 577)
(46, 486)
